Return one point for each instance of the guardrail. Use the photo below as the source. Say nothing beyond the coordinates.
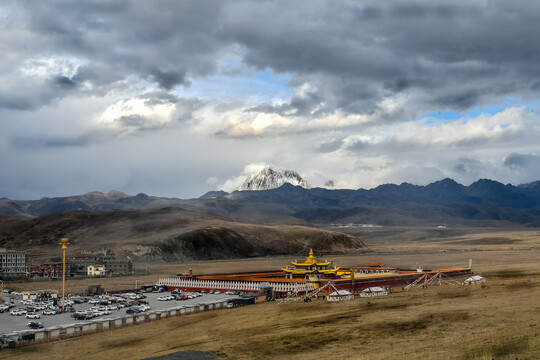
(53, 333)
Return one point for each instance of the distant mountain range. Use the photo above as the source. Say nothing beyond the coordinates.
(281, 221)
(481, 203)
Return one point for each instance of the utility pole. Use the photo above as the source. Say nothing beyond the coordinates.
(64, 242)
(1, 292)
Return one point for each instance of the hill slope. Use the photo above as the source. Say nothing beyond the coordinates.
(168, 234)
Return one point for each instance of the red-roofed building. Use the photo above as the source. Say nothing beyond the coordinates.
(54, 270)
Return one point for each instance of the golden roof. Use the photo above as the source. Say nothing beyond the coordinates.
(311, 260)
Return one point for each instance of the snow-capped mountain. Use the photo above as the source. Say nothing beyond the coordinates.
(268, 178)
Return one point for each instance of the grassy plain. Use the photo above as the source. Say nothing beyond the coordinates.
(499, 320)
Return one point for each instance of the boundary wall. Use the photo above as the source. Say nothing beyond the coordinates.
(191, 284)
(53, 333)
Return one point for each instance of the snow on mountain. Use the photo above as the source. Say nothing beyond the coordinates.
(268, 178)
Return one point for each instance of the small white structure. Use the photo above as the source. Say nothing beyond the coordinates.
(96, 270)
(340, 295)
(33, 295)
(473, 280)
(374, 291)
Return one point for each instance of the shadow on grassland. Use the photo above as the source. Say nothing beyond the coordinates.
(498, 347)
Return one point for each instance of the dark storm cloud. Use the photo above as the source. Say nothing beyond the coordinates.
(330, 146)
(166, 43)
(455, 55)
(64, 82)
(442, 56)
(135, 120)
(169, 79)
(361, 54)
(520, 161)
(468, 166)
(308, 104)
(59, 141)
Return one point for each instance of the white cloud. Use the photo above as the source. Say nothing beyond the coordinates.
(212, 180)
(234, 182)
(46, 67)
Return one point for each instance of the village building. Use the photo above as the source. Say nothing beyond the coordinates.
(54, 270)
(118, 267)
(79, 262)
(12, 262)
(96, 270)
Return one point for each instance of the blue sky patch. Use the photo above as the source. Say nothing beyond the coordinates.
(440, 118)
(236, 82)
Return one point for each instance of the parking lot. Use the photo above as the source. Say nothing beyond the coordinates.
(10, 323)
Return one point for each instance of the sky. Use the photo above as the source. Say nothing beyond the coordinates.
(177, 98)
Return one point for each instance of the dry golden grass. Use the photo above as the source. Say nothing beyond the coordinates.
(494, 321)
(499, 320)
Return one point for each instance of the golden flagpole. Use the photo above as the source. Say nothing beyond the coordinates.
(64, 242)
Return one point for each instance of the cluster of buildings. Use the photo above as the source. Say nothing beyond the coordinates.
(87, 264)
(14, 263)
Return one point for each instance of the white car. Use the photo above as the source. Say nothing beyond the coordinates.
(18, 312)
(32, 316)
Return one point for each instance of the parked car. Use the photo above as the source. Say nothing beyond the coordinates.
(32, 315)
(18, 312)
(81, 316)
(34, 325)
(133, 310)
(51, 312)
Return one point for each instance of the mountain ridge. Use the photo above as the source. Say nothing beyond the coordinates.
(281, 204)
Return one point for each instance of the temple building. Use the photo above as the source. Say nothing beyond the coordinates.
(310, 269)
(304, 277)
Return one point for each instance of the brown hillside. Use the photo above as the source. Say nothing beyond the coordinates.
(169, 234)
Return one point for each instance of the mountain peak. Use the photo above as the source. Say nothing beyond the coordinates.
(214, 195)
(116, 194)
(269, 178)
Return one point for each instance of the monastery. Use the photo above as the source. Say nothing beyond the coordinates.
(302, 277)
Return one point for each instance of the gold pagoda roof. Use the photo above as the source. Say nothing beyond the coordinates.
(300, 267)
(311, 260)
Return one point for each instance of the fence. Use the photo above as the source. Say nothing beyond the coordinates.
(247, 286)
